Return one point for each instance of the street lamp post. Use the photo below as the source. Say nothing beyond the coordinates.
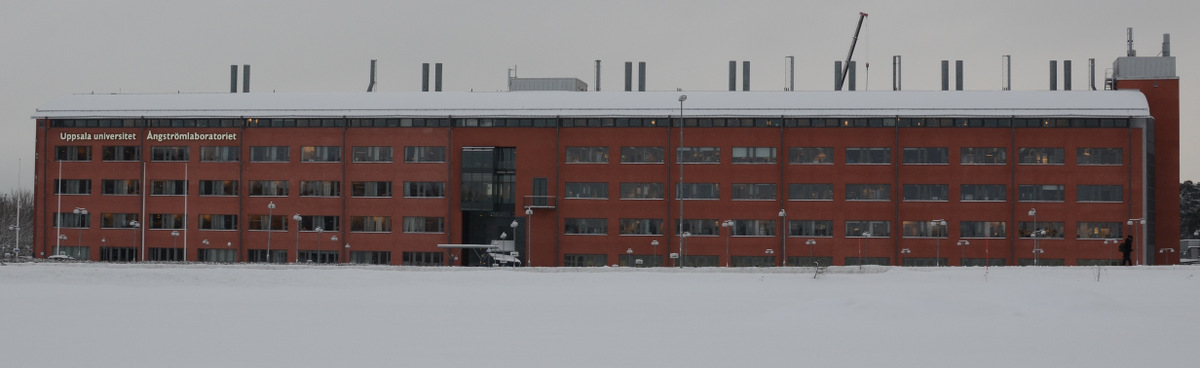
(317, 256)
(135, 225)
(629, 257)
(332, 239)
(270, 219)
(933, 224)
(728, 224)
(80, 215)
(962, 251)
(205, 242)
(58, 249)
(297, 218)
(1138, 253)
(1164, 251)
(683, 248)
(1113, 242)
(783, 234)
(903, 258)
(865, 235)
(347, 253)
(770, 253)
(810, 243)
(654, 244)
(174, 243)
(1033, 212)
(529, 237)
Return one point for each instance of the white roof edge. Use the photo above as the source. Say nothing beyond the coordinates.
(591, 104)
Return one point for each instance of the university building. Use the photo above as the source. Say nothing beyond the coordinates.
(648, 179)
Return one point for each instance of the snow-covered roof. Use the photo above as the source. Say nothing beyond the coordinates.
(590, 104)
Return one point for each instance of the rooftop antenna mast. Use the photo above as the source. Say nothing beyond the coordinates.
(846, 66)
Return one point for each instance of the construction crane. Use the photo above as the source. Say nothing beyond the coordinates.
(846, 66)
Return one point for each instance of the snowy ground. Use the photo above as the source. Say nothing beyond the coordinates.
(105, 315)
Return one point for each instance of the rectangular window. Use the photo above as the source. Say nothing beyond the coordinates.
(320, 154)
(120, 187)
(868, 192)
(858, 229)
(169, 221)
(320, 188)
(72, 220)
(585, 260)
(268, 188)
(268, 223)
(698, 155)
(754, 192)
(982, 229)
(1099, 230)
(424, 154)
(586, 155)
(419, 224)
(926, 155)
(117, 220)
(640, 226)
(424, 189)
(753, 155)
(810, 192)
(586, 191)
(370, 224)
(220, 154)
(218, 222)
(1040, 156)
(168, 187)
(926, 192)
(218, 187)
(983, 193)
(923, 229)
(810, 228)
(73, 153)
(72, 186)
(983, 156)
(700, 227)
(421, 258)
(371, 189)
(1047, 229)
(585, 226)
(1040, 193)
(269, 154)
(1098, 193)
(698, 191)
(642, 155)
(121, 153)
(1099, 156)
(642, 191)
(810, 155)
(372, 154)
(320, 223)
(868, 156)
(753, 227)
(169, 153)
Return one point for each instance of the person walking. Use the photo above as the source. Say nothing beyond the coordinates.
(1126, 248)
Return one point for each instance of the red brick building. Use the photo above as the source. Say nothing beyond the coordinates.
(590, 178)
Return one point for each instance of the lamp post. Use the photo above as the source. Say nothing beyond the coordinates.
(174, 243)
(513, 225)
(270, 218)
(135, 225)
(1138, 253)
(228, 247)
(770, 253)
(317, 256)
(629, 257)
(80, 214)
(903, 258)
(1033, 212)
(297, 218)
(783, 234)
(347, 253)
(962, 251)
(728, 224)
(654, 244)
(205, 242)
(529, 237)
(1164, 252)
(58, 249)
(332, 239)
(683, 249)
(933, 224)
(1113, 242)
(810, 243)
(678, 189)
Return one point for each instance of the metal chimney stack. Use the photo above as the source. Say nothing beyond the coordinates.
(958, 75)
(1006, 70)
(371, 86)
(628, 76)
(837, 75)
(1092, 74)
(852, 70)
(790, 70)
(437, 77)
(246, 78)
(424, 77)
(896, 72)
(1053, 75)
(641, 76)
(1166, 51)
(233, 78)
(732, 75)
(745, 76)
(1066, 75)
(597, 75)
(1131, 52)
(945, 75)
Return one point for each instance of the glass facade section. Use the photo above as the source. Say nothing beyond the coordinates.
(983, 193)
(868, 156)
(926, 155)
(586, 155)
(1099, 193)
(753, 192)
(220, 153)
(1041, 156)
(269, 154)
(641, 226)
(753, 155)
(121, 153)
(926, 192)
(810, 155)
(1041, 193)
(642, 191)
(424, 154)
(1099, 156)
(698, 155)
(810, 228)
(983, 156)
(585, 226)
(868, 192)
(642, 155)
(586, 191)
(372, 154)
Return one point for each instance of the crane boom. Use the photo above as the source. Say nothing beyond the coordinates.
(853, 42)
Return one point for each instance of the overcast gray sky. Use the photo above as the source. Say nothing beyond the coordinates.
(52, 48)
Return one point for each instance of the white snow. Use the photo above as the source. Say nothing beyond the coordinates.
(109, 315)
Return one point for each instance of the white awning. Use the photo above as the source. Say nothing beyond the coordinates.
(461, 246)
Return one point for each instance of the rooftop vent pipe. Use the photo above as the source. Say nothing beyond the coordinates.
(437, 77)
(745, 76)
(597, 75)
(641, 76)
(1066, 75)
(1131, 51)
(628, 76)
(896, 72)
(853, 69)
(424, 77)
(371, 87)
(945, 75)
(732, 75)
(958, 75)
(246, 78)
(1166, 51)
(233, 78)
(1092, 74)
(1053, 75)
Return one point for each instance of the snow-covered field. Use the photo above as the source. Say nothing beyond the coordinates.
(106, 315)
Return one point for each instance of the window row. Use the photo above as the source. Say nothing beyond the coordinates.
(824, 228)
(320, 223)
(853, 192)
(359, 154)
(257, 188)
(854, 155)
